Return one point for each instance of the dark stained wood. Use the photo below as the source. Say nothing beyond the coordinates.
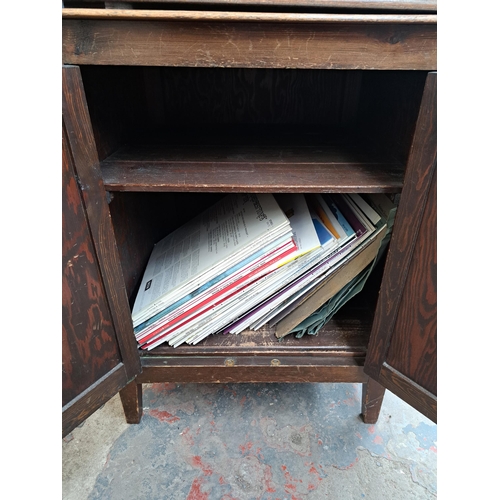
(84, 153)
(131, 397)
(411, 263)
(403, 5)
(417, 315)
(90, 400)
(251, 178)
(247, 167)
(205, 97)
(372, 397)
(126, 101)
(251, 369)
(405, 388)
(345, 335)
(244, 146)
(118, 5)
(257, 44)
(114, 97)
(89, 347)
(388, 109)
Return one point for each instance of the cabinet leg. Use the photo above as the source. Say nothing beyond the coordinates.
(372, 397)
(131, 396)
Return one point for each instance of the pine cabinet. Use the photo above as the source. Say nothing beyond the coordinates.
(167, 108)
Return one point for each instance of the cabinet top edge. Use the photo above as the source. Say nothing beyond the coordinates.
(179, 15)
(393, 5)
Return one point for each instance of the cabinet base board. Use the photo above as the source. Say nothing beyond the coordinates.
(259, 369)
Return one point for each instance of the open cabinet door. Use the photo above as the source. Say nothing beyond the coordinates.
(99, 354)
(402, 353)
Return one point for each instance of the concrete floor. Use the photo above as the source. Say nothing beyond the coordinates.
(252, 441)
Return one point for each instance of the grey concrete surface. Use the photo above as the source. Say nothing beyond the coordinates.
(252, 441)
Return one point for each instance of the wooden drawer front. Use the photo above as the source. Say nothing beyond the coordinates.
(249, 40)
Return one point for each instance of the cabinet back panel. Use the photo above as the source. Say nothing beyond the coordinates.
(115, 98)
(389, 105)
(254, 96)
(144, 104)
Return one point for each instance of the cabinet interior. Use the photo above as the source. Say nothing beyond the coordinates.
(173, 140)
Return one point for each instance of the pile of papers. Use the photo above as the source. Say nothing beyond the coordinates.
(247, 260)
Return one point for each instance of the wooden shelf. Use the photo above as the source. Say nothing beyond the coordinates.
(345, 335)
(263, 162)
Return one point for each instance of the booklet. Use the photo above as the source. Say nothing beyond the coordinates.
(205, 247)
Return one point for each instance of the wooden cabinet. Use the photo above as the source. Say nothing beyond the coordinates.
(165, 111)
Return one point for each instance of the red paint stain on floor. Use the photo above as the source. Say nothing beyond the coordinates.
(197, 462)
(371, 429)
(350, 402)
(164, 416)
(291, 483)
(434, 449)
(378, 440)
(314, 483)
(242, 400)
(232, 391)
(315, 472)
(187, 436)
(244, 448)
(268, 480)
(195, 492)
(163, 388)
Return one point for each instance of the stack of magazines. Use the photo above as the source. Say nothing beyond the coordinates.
(250, 259)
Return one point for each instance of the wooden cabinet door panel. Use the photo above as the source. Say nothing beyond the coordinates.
(99, 349)
(402, 353)
(413, 347)
(90, 347)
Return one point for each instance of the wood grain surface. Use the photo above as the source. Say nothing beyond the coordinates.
(421, 166)
(252, 369)
(345, 335)
(89, 347)
(250, 44)
(405, 319)
(90, 400)
(210, 16)
(413, 346)
(396, 5)
(84, 153)
(416, 396)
